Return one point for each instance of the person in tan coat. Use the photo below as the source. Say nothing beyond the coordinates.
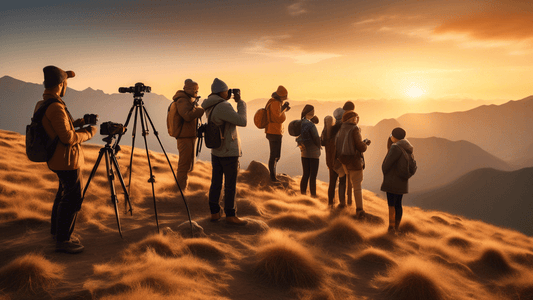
(67, 159)
(276, 107)
(186, 121)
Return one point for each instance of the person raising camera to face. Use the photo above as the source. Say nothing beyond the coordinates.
(276, 106)
(67, 159)
(225, 159)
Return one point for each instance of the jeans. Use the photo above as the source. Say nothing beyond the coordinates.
(310, 168)
(66, 204)
(395, 200)
(332, 184)
(275, 152)
(225, 168)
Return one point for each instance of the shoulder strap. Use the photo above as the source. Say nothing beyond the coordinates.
(39, 114)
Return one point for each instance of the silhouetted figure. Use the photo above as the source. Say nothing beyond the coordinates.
(309, 143)
(225, 159)
(276, 108)
(349, 151)
(182, 123)
(393, 183)
(67, 159)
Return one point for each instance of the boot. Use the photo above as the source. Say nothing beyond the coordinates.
(216, 217)
(272, 169)
(69, 247)
(235, 221)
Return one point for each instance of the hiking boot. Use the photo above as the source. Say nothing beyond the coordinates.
(73, 239)
(235, 221)
(69, 247)
(359, 213)
(216, 217)
(341, 206)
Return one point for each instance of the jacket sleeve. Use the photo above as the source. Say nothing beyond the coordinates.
(276, 116)
(188, 111)
(359, 140)
(323, 137)
(390, 159)
(228, 114)
(315, 137)
(62, 126)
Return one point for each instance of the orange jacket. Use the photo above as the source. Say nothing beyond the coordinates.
(58, 122)
(275, 117)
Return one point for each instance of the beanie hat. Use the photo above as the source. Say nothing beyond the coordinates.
(348, 106)
(398, 133)
(190, 87)
(307, 109)
(53, 76)
(337, 114)
(349, 115)
(282, 91)
(218, 86)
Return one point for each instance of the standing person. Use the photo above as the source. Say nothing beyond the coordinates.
(332, 126)
(225, 159)
(394, 185)
(183, 121)
(349, 150)
(67, 159)
(274, 131)
(309, 143)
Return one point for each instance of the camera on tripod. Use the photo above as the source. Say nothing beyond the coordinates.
(137, 89)
(111, 128)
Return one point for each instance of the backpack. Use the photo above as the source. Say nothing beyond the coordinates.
(407, 171)
(261, 118)
(39, 146)
(345, 147)
(295, 127)
(174, 127)
(210, 132)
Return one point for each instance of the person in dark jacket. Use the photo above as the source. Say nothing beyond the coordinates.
(276, 107)
(349, 151)
(332, 125)
(309, 143)
(67, 160)
(394, 185)
(186, 120)
(225, 159)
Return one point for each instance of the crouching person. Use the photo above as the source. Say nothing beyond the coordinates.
(67, 159)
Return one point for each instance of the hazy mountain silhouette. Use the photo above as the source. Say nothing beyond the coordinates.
(502, 130)
(498, 197)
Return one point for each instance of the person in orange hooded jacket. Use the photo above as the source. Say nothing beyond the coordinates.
(276, 107)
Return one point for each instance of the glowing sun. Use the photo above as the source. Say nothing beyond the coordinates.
(414, 90)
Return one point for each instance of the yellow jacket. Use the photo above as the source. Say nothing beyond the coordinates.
(275, 117)
(58, 122)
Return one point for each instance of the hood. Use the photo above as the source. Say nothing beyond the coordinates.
(180, 94)
(211, 100)
(404, 143)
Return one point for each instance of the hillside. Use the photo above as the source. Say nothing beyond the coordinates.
(502, 198)
(294, 247)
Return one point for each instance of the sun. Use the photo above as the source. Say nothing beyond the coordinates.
(414, 90)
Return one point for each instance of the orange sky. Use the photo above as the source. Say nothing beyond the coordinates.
(325, 50)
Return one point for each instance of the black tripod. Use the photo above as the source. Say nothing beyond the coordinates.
(110, 161)
(142, 114)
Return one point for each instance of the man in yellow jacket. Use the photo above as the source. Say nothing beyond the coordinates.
(67, 159)
(274, 131)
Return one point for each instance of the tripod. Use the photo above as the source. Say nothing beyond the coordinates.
(110, 161)
(142, 114)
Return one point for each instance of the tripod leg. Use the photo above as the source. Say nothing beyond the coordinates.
(96, 164)
(126, 196)
(111, 179)
(132, 147)
(152, 179)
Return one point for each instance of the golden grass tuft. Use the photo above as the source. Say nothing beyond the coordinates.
(341, 232)
(372, 261)
(30, 275)
(413, 285)
(287, 264)
(205, 249)
(162, 245)
(459, 242)
(492, 264)
(295, 221)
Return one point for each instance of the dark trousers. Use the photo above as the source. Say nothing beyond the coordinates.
(275, 152)
(396, 201)
(66, 204)
(331, 188)
(310, 167)
(224, 168)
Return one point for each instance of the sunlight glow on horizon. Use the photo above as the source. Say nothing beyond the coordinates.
(414, 90)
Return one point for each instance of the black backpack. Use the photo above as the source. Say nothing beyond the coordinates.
(39, 146)
(407, 168)
(210, 132)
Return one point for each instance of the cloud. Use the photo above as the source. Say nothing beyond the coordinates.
(297, 8)
(274, 46)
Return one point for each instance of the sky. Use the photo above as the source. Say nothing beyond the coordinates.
(321, 50)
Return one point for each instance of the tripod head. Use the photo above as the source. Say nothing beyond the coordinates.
(138, 90)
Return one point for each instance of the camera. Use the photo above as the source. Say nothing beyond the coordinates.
(367, 142)
(90, 119)
(285, 107)
(111, 128)
(234, 92)
(195, 102)
(137, 89)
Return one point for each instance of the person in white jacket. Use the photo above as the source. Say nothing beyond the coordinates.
(225, 159)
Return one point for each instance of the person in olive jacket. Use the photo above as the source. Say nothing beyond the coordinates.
(309, 143)
(186, 119)
(394, 185)
(67, 159)
(276, 108)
